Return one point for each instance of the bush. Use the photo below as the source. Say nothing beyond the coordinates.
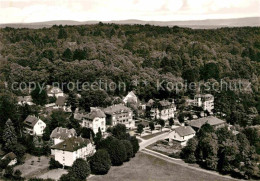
(100, 163)
(9, 172)
(18, 175)
(117, 152)
(54, 164)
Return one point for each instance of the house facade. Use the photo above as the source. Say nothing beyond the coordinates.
(71, 149)
(206, 101)
(160, 109)
(60, 134)
(95, 119)
(182, 134)
(119, 114)
(34, 126)
(54, 92)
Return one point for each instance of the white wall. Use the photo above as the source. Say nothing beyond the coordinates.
(39, 128)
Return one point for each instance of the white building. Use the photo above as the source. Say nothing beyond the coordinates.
(54, 92)
(95, 119)
(161, 109)
(60, 134)
(130, 98)
(119, 114)
(206, 101)
(71, 149)
(34, 126)
(25, 100)
(182, 134)
(12, 157)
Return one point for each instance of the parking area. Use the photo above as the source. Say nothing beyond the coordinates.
(34, 166)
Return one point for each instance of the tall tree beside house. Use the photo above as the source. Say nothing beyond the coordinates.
(87, 132)
(100, 163)
(39, 95)
(9, 136)
(119, 132)
(72, 101)
(140, 129)
(162, 123)
(171, 121)
(188, 153)
(98, 136)
(73, 123)
(152, 127)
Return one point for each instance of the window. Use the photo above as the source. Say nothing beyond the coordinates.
(63, 158)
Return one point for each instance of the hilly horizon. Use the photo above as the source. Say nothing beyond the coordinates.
(195, 24)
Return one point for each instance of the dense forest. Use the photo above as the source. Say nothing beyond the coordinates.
(125, 53)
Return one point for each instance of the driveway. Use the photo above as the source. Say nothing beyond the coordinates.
(146, 143)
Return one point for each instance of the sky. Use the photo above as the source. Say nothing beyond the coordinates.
(26, 11)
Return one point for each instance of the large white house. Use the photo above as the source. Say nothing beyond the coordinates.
(60, 134)
(182, 134)
(34, 125)
(130, 98)
(163, 109)
(69, 150)
(206, 101)
(54, 92)
(119, 114)
(95, 119)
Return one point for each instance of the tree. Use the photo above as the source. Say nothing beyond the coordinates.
(69, 177)
(135, 144)
(67, 55)
(53, 164)
(39, 95)
(117, 152)
(140, 128)
(171, 121)
(62, 33)
(9, 136)
(129, 149)
(188, 153)
(119, 132)
(87, 133)
(98, 136)
(9, 172)
(151, 125)
(100, 163)
(162, 123)
(72, 101)
(80, 169)
(18, 175)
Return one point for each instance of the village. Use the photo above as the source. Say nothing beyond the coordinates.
(157, 124)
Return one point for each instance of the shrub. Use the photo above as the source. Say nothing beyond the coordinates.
(80, 169)
(129, 149)
(54, 164)
(135, 144)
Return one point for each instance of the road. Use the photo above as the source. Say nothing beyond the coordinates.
(146, 143)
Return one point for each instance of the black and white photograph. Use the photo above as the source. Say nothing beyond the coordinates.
(129, 90)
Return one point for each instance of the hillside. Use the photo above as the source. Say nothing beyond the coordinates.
(195, 24)
(126, 53)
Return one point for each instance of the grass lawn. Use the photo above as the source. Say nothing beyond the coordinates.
(148, 168)
(147, 137)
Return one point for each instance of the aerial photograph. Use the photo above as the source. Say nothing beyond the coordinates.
(129, 90)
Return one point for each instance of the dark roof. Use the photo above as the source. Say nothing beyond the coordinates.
(72, 144)
(116, 109)
(213, 121)
(63, 133)
(61, 101)
(184, 130)
(96, 114)
(30, 121)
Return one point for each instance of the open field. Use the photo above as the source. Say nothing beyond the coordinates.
(146, 167)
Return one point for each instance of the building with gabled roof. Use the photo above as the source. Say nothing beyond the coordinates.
(61, 104)
(67, 151)
(211, 120)
(34, 126)
(60, 134)
(182, 134)
(119, 114)
(130, 98)
(160, 109)
(95, 120)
